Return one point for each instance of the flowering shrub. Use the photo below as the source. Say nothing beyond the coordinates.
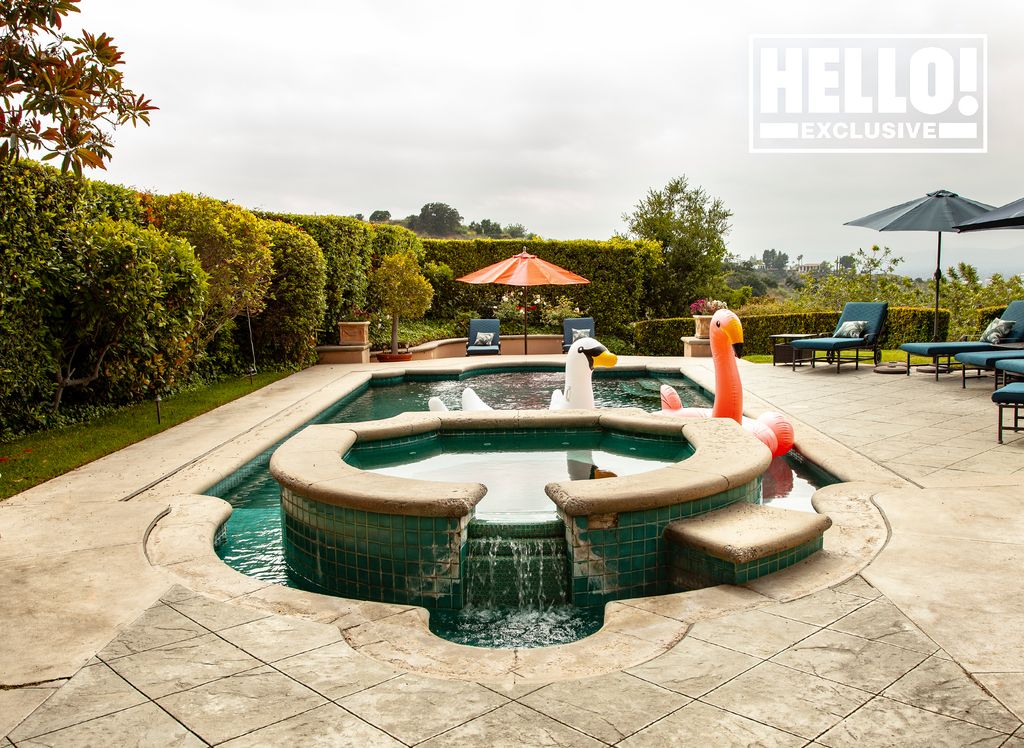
(562, 309)
(707, 306)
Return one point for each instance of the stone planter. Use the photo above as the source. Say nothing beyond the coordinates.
(701, 325)
(354, 333)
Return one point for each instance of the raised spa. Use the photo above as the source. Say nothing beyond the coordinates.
(352, 529)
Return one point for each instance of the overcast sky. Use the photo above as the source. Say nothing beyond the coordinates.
(559, 116)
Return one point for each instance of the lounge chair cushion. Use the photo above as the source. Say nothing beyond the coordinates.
(1012, 365)
(945, 349)
(997, 330)
(1011, 393)
(829, 344)
(1015, 312)
(987, 359)
(851, 329)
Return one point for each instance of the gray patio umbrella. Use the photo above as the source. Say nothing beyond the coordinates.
(1009, 216)
(937, 211)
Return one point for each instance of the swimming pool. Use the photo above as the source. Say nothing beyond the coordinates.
(252, 539)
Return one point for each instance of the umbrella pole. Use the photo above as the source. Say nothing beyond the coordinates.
(526, 332)
(938, 280)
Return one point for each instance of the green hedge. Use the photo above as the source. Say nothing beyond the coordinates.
(985, 315)
(347, 246)
(285, 332)
(660, 337)
(390, 240)
(616, 269)
(37, 204)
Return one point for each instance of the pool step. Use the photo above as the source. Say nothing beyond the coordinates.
(739, 543)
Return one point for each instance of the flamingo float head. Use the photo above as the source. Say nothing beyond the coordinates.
(727, 323)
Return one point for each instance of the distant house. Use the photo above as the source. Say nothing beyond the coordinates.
(809, 267)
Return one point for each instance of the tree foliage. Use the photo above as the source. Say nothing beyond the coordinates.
(689, 226)
(60, 94)
(380, 216)
(774, 260)
(233, 246)
(123, 305)
(873, 277)
(438, 220)
(963, 293)
(399, 289)
(285, 331)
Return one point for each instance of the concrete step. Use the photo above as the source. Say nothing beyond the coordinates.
(739, 543)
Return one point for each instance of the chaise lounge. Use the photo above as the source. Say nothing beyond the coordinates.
(484, 337)
(948, 351)
(575, 328)
(860, 329)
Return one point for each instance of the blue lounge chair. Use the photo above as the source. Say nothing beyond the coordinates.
(947, 351)
(873, 314)
(985, 361)
(1010, 397)
(575, 328)
(1011, 368)
(484, 337)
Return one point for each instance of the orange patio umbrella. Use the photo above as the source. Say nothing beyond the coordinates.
(524, 270)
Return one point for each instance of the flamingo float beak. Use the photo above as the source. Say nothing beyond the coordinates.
(738, 349)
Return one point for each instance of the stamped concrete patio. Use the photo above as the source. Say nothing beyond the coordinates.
(118, 630)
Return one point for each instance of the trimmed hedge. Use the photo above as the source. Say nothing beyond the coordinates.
(37, 204)
(985, 315)
(391, 240)
(660, 337)
(285, 331)
(347, 246)
(617, 270)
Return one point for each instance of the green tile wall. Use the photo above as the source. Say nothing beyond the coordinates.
(371, 556)
(629, 559)
(690, 568)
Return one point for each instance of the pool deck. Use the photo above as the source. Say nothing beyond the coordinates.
(121, 627)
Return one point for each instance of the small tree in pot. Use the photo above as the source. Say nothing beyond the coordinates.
(399, 289)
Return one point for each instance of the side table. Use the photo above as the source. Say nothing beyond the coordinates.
(783, 352)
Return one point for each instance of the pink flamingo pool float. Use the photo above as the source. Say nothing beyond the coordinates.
(772, 428)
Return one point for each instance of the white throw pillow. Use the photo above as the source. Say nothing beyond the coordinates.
(997, 330)
(484, 338)
(578, 333)
(852, 329)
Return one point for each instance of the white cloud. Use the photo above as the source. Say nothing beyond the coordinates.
(556, 115)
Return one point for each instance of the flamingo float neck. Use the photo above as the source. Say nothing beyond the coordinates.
(728, 389)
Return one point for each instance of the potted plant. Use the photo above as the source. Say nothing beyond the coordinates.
(399, 289)
(702, 311)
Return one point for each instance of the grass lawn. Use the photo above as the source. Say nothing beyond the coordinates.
(36, 458)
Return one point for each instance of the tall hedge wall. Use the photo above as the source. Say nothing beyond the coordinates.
(660, 337)
(616, 270)
(347, 246)
(37, 204)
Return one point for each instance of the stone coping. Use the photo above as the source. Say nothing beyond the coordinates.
(310, 464)
(180, 546)
(741, 532)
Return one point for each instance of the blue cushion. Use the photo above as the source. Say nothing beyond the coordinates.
(829, 344)
(872, 312)
(945, 349)
(986, 359)
(478, 349)
(1011, 393)
(1015, 312)
(1012, 365)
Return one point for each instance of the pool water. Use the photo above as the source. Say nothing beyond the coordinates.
(516, 469)
(252, 540)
